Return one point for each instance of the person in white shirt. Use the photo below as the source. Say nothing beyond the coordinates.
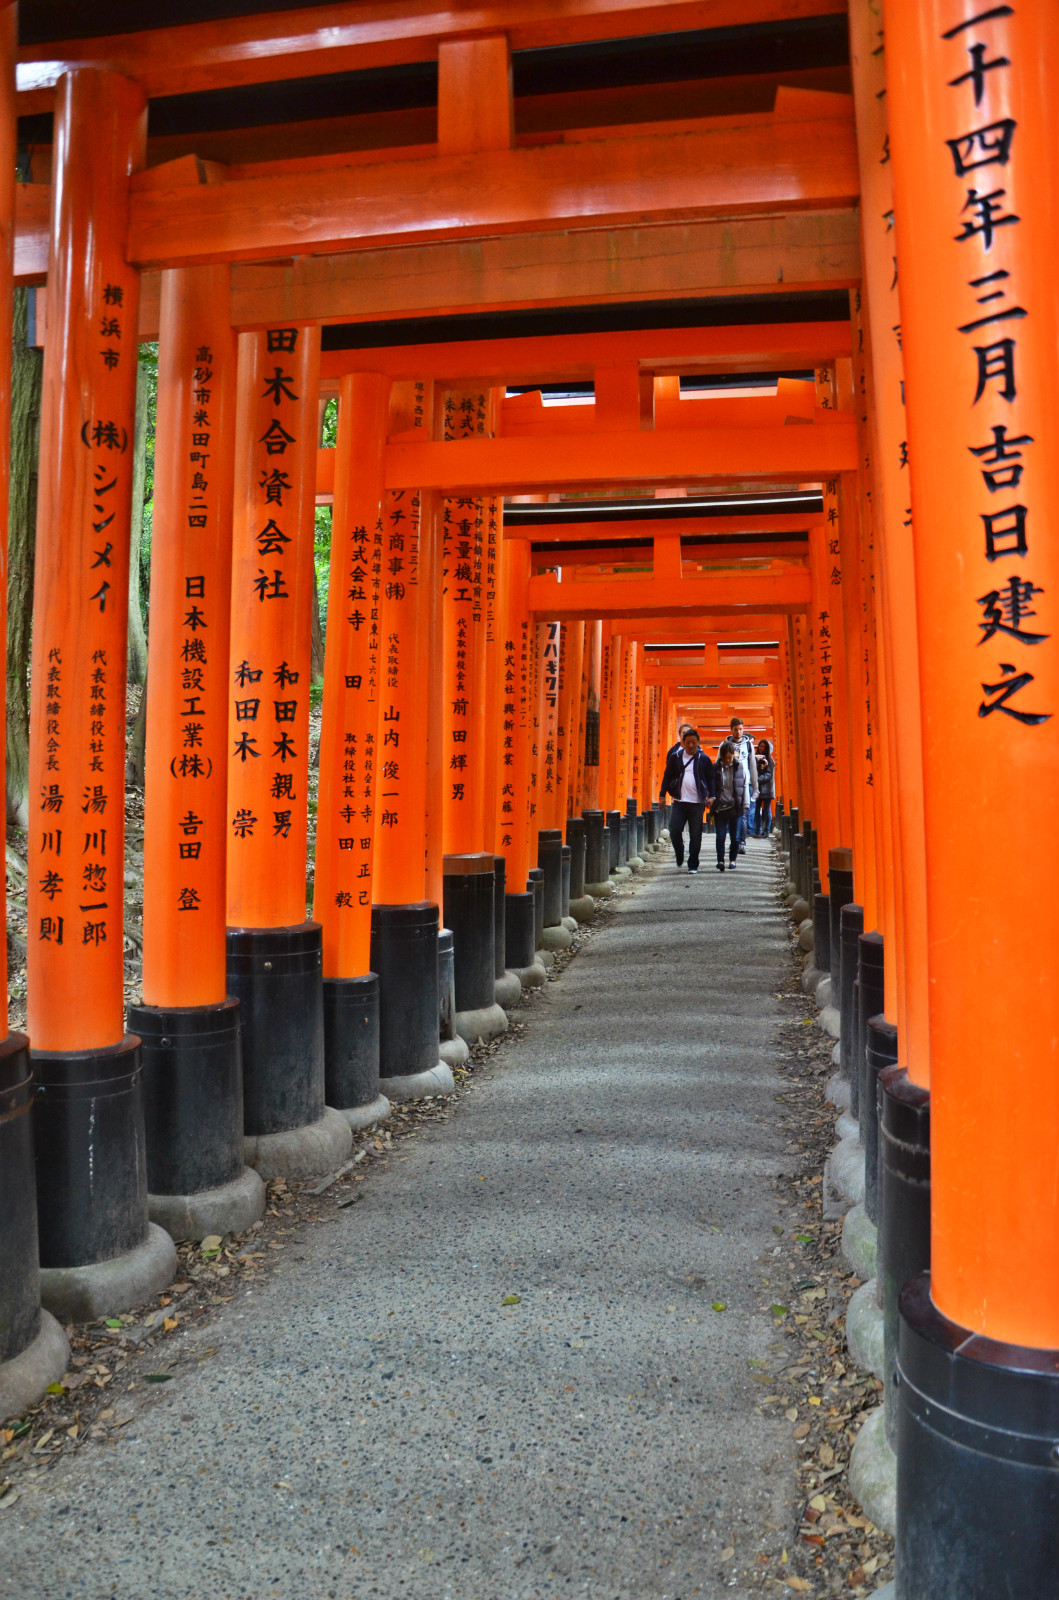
(688, 780)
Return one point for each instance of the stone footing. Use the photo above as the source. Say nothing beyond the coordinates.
(823, 991)
(25, 1377)
(456, 1052)
(301, 1152)
(830, 1019)
(531, 977)
(598, 891)
(847, 1127)
(864, 1330)
(570, 924)
(361, 1117)
(558, 938)
(508, 989)
(582, 909)
(843, 1178)
(102, 1289)
(484, 1022)
(230, 1208)
(837, 1091)
(418, 1085)
(860, 1242)
(873, 1473)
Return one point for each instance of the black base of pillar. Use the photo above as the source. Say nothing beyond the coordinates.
(468, 883)
(499, 916)
(641, 833)
(520, 931)
(880, 1053)
(90, 1157)
(822, 933)
(904, 1209)
(19, 1266)
(575, 838)
(977, 1461)
(351, 1041)
(852, 926)
(597, 864)
(550, 862)
(277, 976)
(404, 954)
(566, 871)
(839, 893)
(192, 1095)
(535, 883)
(613, 840)
(871, 999)
(446, 985)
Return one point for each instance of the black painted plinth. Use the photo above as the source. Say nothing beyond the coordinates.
(192, 1095)
(351, 1041)
(90, 1154)
(277, 976)
(404, 955)
(566, 868)
(623, 842)
(840, 893)
(499, 916)
(521, 929)
(822, 932)
(550, 862)
(597, 860)
(641, 832)
(575, 838)
(880, 1053)
(535, 883)
(851, 926)
(977, 1461)
(871, 1000)
(613, 840)
(19, 1264)
(468, 885)
(904, 1208)
(446, 985)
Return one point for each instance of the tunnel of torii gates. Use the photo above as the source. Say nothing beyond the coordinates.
(849, 551)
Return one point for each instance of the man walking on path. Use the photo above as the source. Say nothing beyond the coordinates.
(743, 745)
(688, 779)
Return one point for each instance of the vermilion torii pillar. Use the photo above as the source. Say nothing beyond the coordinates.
(92, 1192)
(274, 952)
(33, 1348)
(408, 821)
(349, 755)
(973, 107)
(518, 708)
(189, 1025)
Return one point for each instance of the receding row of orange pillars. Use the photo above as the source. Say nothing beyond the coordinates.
(453, 755)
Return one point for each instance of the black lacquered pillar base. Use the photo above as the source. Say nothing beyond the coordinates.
(839, 894)
(851, 927)
(567, 867)
(507, 986)
(535, 883)
(597, 854)
(351, 1049)
(277, 976)
(404, 955)
(469, 882)
(33, 1348)
(99, 1251)
(197, 1180)
(977, 1461)
(550, 862)
(904, 1209)
(871, 999)
(613, 820)
(880, 1054)
(520, 934)
(581, 907)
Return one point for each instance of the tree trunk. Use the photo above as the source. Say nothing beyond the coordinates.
(317, 672)
(135, 754)
(137, 656)
(26, 368)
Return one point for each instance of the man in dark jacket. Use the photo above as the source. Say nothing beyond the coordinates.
(688, 780)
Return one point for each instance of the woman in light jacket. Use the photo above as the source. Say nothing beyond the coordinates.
(731, 802)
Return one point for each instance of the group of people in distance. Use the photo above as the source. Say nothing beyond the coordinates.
(742, 778)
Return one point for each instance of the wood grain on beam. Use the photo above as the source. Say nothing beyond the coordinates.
(378, 33)
(734, 171)
(514, 466)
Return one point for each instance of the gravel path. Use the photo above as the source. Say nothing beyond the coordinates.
(376, 1421)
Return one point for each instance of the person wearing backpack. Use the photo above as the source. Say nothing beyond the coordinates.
(766, 789)
(689, 781)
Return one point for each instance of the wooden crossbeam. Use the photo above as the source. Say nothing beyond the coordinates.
(739, 169)
(662, 597)
(514, 466)
(271, 47)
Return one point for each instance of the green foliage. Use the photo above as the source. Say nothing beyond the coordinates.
(322, 539)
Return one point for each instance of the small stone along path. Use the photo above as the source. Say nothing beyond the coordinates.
(582, 1335)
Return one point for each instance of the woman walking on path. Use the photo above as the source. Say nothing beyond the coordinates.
(766, 788)
(731, 803)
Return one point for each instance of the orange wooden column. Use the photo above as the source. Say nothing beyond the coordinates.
(881, 315)
(408, 816)
(494, 665)
(973, 97)
(571, 660)
(517, 818)
(590, 783)
(198, 1185)
(25, 1330)
(841, 498)
(274, 952)
(828, 689)
(92, 1196)
(549, 643)
(609, 649)
(349, 752)
(973, 109)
